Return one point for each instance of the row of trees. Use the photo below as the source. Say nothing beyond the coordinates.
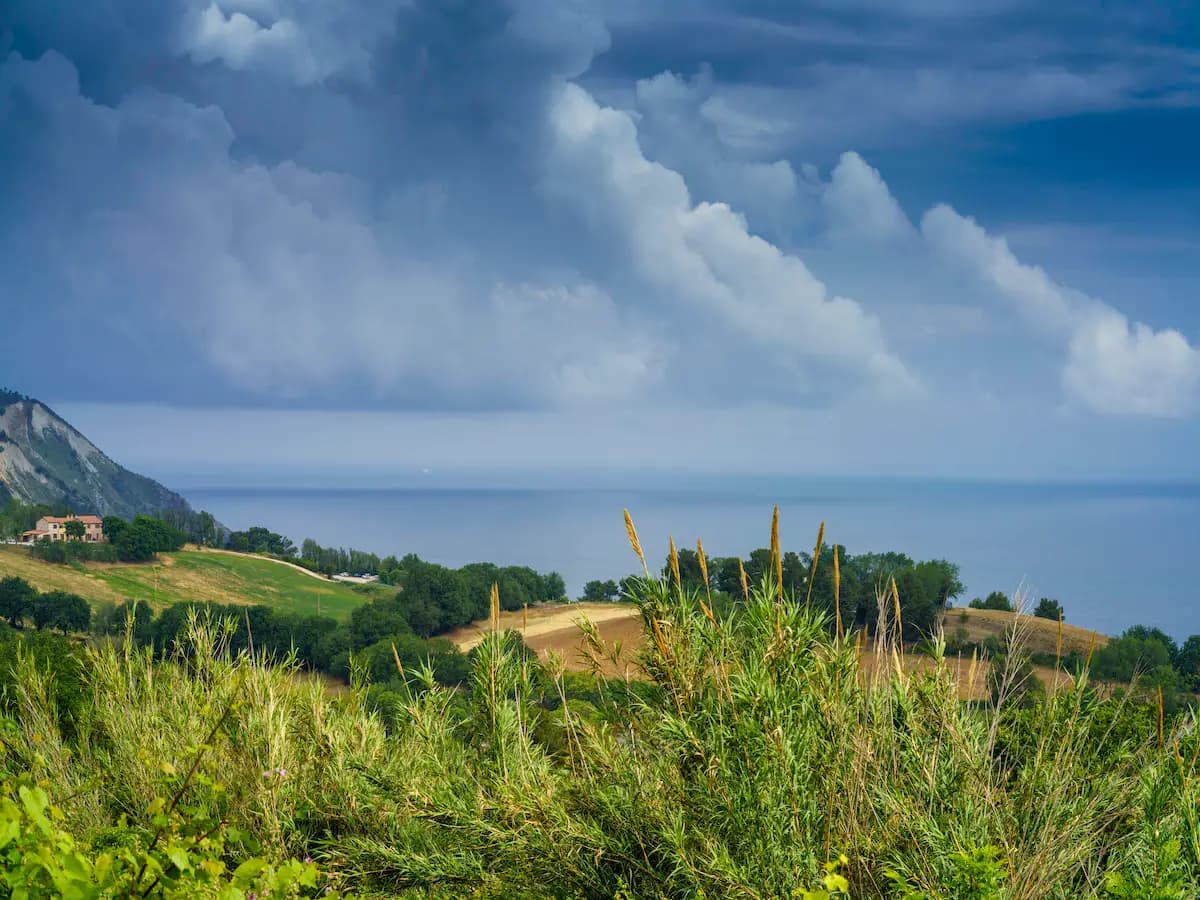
(924, 588)
(260, 540)
(1047, 608)
(1153, 656)
(318, 642)
(331, 560)
(21, 602)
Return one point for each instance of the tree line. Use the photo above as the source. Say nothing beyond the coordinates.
(924, 588)
(22, 603)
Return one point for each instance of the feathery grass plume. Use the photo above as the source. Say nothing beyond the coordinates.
(812, 575)
(745, 581)
(396, 657)
(635, 543)
(776, 555)
(837, 593)
(703, 566)
(524, 618)
(673, 557)
(1159, 718)
(1091, 648)
(896, 605)
(495, 607)
(1058, 643)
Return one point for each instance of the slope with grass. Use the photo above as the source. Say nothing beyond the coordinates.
(557, 629)
(203, 576)
(757, 760)
(1043, 633)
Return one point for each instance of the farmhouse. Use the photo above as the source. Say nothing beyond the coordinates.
(54, 528)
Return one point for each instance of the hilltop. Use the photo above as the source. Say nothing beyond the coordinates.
(44, 460)
(205, 576)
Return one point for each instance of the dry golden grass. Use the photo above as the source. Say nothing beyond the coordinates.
(20, 562)
(554, 628)
(1042, 635)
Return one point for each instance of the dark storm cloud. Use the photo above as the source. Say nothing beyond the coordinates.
(550, 204)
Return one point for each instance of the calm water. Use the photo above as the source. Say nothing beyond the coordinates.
(1113, 554)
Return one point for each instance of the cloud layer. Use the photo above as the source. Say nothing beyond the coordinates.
(535, 205)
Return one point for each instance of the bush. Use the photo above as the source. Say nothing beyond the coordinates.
(995, 600)
(760, 757)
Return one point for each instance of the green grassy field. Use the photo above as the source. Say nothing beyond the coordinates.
(198, 575)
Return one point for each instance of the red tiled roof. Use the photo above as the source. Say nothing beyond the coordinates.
(86, 520)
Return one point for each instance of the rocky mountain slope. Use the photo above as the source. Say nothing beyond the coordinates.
(44, 460)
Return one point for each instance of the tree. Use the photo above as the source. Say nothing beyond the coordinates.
(16, 600)
(1187, 661)
(600, 591)
(45, 609)
(1049, 609)
(554, 588)
(74, 614)
(113, 527)
(1136, 652)
(997, 600)
(75, 530)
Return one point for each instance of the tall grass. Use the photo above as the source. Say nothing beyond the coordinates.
(759, 758)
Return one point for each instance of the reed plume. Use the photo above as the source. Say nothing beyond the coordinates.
(896, 606)
(745, 581)
(837, 592)
(776, 555)
(812, 575)
(495, 607)
(674, 560)
(635, 543)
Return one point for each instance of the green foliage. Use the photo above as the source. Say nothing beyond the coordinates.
(137, 541)
(64, 611)
(1139, 650)
(758, 749)
(183, 859)
(16, 517)
(1049, 609)
(996, 600)
(16, 600)
(600, 591)
(261, 540)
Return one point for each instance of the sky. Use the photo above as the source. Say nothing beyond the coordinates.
(907, 238)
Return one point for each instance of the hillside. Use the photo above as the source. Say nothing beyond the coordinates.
(1042, 636)
(556, 628)
(206, 576)
(45, 460)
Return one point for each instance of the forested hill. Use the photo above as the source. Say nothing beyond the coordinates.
(43, 460)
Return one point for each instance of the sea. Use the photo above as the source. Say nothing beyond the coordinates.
(1114, 554)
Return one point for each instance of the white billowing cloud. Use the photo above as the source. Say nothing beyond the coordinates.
(300, 40)
(580, 340)
(1113, 366)
(675, 128)
(701, 256)
(859, 204)
(1120, 367)
(281, 275)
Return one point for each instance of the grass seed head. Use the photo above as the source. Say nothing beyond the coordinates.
(634, 542)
